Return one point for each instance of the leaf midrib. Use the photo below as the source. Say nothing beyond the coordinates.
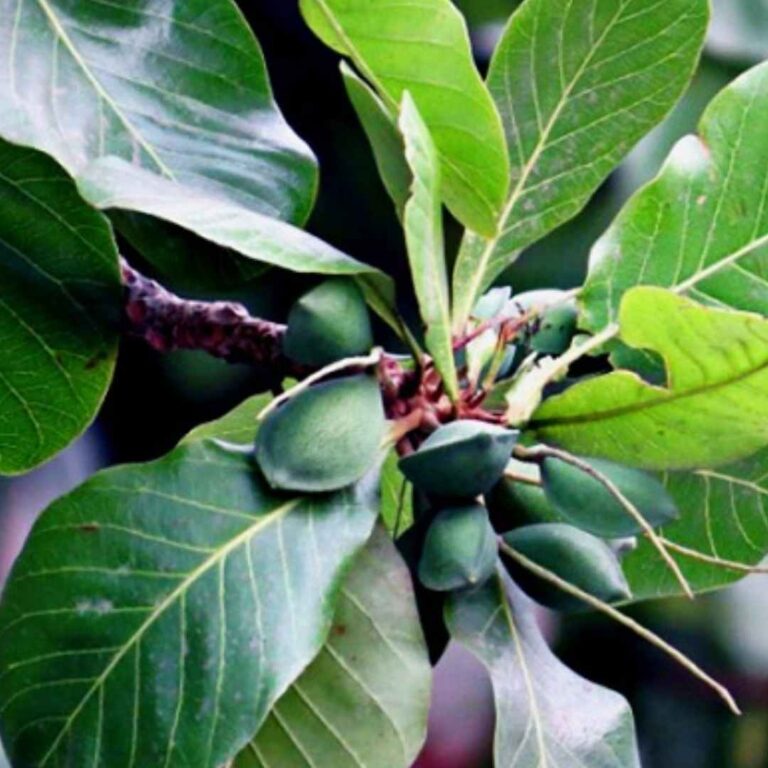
(528, 680)
(665, 397)
(212, 561)
(516, 194)
(60, 32)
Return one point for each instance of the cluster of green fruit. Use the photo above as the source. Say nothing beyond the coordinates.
(471, 491)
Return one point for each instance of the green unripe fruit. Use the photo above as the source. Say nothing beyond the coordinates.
(575, 556)
(459, 550)
(556, 328)
(329, 323)
(513, 503)
(586, 503)
(325, 438)
(462, 459)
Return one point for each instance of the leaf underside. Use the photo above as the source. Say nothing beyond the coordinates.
(546, 715)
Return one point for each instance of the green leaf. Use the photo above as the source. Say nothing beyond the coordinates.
(423, 224)
(713, 411)
(423, 48)
(60, 300)
(546, 715)
(383, 136)
(578, 83)
(113, 183)
(178, 88)
(192, 265)
(363, 702)
(724, 514)
(238, 427)
(396, 497)
(701, 227)
(160, 610)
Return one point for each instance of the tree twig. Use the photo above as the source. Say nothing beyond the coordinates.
(223, 329)
(628, 622)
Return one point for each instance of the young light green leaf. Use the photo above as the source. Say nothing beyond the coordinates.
(723, 515)
(383, 136)
(713, 411)
(114, 184)
(546, 715)
(163, 608)
(60, 301)
(701, 228)
(178, 88)
(363, 702)
(423, 48)
(423, 223)
(578, 83)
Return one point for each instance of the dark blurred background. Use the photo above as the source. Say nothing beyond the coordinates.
(156, 399)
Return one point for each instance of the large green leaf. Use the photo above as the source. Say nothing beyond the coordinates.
(546, 715)
(113, 183)
(178, 87)
(423, 48)
(423, 224)
(578, 83)
(160, 610)
(713, 411)
(723, 514)
(59, 306)
(701, 227)
(363, 702)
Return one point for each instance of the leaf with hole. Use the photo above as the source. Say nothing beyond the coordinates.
(163, 608)
(713, 411)
(59, 309)
(578, 83)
